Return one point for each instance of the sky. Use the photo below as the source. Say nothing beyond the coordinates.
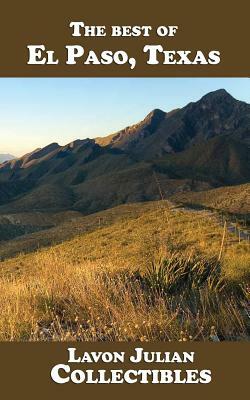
(37, 111)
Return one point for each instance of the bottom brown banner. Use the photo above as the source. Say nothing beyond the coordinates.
(63, 370)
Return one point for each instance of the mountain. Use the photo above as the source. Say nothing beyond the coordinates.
(222, 160)
(201, 146)
(215, 114)
(6, 157)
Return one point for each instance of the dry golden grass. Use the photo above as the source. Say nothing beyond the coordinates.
(101, 286)
(231, 199)
(132, 240)
(74, 302)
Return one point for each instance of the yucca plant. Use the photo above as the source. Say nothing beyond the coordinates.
(176, 274)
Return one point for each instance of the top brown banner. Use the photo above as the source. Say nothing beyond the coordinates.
(194, 38)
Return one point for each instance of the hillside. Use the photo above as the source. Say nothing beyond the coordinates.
(31, 231)
(139, 272)
(231, 199)
(219, 161)
(201, 146)
(129, 236)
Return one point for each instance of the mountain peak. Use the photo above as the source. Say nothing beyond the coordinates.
(76, 144)
(155, 114)
(157, 111)
(41, 152)
(217, 94)
(153, 118)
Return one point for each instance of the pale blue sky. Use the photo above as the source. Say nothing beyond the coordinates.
(37, 111)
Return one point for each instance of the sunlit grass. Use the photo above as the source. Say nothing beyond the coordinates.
(113, 283)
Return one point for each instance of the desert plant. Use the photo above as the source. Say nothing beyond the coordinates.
(176, 273)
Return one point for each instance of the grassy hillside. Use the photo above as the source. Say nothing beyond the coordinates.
(145, 271)
(130, 236)
(17, 225)
(66, 225)
(231, 199)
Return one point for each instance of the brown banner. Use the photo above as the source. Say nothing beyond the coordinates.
(219, 26)
(26, 370)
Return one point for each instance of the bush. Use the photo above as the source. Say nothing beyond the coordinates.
(176, 274)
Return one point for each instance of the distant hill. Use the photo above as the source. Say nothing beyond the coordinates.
(6, 157)
(199, 147)
(231, 199)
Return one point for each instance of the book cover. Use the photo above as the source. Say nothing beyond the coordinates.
(124, 199)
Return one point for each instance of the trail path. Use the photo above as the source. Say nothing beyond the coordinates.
(240, 233)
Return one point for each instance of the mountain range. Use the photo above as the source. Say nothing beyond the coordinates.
(201, 146)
